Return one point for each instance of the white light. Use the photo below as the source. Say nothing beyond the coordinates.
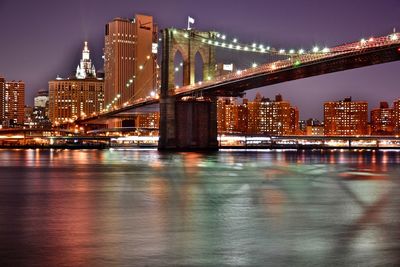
(209, 78)
(326, 50)
(315, 49)
(118, 95)
(239, 72)
(141, 67)
(186, 35)
(238, 47)
(268, 48)
(254, 65)
(209, 41)
(200, 83)
(223, 44)
(218, 35)
(291, 51)
(223, 37)
(254, 45)
(181, 64)
(131, 81)
(281, 51)
(262, 50)
(261, 46)
(394, 37)
(371, 39)
(363, 41)
(301, 51)
(204, 40)
(159, 39)
(127, 85)
(148, 57)
(176, 86)
(176, 69)
(216, 43)
(246, 48)
(231, 46)
(235, 40)
(152, 93)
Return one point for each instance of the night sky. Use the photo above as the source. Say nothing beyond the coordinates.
(43, 38)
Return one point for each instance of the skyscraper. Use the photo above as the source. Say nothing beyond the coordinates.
(14, 104)
(396, 114)
(2, 88)
(77, 96)
(346, 117)
(129, 59)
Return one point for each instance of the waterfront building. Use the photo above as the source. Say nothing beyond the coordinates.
(396, 114)
(149, 120)
(272, 117)
(40, 114)
(12, 103)
(78, 96)
(382, 120)
(130, 55)
(314, 127)
(346, 117)
(261, 116)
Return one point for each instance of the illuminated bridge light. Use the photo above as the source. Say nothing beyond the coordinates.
(238, 47)
(231, 46)
(291, 51)
(246, 48)
(223, 37)
(176, 69)
(254, 65)
(209, 41)
(326, 50)
(235, 40)
(315, 49)
(254, 45)
(281, 51)
(371, 39)
(223, 44)
(216, 43)
(394, 37)
(301, 51)
(203, 40)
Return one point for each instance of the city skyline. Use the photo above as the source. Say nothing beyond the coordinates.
(52, 43)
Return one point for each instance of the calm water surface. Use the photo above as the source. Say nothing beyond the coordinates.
(231, 208)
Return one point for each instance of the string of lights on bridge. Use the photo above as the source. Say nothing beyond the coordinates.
(258, 48)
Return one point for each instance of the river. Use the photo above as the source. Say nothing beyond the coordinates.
(229, 208)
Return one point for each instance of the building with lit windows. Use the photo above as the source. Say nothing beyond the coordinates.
(149, 120)
(130, 60)
(396, 115)
(78, 96)
(382, 120)
(12, 103)
(346, 117)
(261, 116)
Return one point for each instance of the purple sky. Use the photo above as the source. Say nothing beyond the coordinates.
(43, 38)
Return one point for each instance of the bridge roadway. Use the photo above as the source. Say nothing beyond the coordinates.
(373, 51)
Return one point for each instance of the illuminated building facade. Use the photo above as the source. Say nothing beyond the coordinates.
(150, 120)
(77, 96)
(130, 59)
(12, 103)
(382, 120)
(346, 117)
(261, 116)
(396, 114)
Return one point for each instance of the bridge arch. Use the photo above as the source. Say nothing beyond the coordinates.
(188, 43)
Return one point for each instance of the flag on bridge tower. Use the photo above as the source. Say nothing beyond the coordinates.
(190, 21)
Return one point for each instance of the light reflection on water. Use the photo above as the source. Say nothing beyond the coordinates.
(142, 207)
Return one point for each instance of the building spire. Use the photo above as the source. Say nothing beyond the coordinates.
(85, 68)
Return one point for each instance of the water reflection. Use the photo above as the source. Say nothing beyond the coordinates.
(141, 207)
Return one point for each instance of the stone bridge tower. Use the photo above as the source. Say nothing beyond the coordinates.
(199, 118)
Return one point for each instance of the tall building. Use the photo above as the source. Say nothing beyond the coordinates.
(382, 120)
(346, 117)
(2, 89)
(78, 96)
(130, 59)
(13, 103)
(85, 69)
(396, 114)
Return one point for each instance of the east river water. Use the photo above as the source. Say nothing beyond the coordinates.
(230, 208)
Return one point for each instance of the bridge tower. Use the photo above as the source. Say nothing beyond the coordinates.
(186, 125)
